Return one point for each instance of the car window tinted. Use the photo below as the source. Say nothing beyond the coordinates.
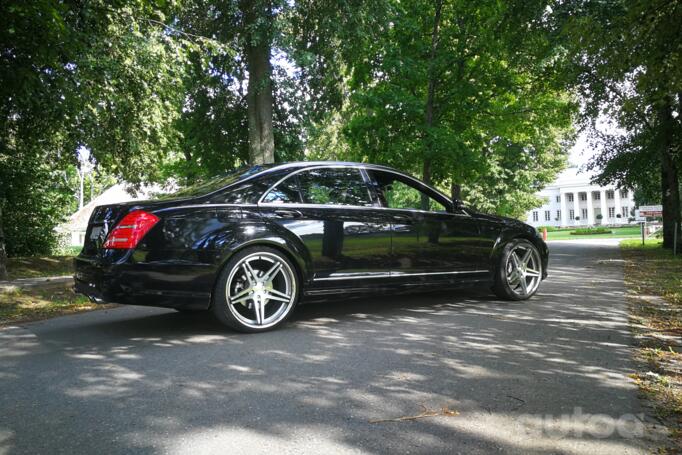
(247, 192)
(400, 194)
(286, 192)
(334, 186)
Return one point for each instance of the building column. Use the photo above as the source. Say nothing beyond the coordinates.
(604, 209)
(564, 211)
(618, 208)
(590, 208)
(576, 206)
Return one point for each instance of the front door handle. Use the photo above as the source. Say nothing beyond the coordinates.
(288, 214)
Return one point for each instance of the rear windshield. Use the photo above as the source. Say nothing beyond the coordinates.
(216, 183)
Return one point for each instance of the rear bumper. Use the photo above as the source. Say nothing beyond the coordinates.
(137, 284)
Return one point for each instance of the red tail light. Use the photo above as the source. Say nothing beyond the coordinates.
(130, 230)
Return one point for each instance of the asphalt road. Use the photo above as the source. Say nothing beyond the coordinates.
(544, 376)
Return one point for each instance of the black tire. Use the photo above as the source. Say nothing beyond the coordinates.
(502, 287)
(237, 315)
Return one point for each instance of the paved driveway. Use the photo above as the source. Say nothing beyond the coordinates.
(545, 376)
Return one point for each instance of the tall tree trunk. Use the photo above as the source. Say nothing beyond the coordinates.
(258, 18)
(670, 178)
(3, 254)
(430, 100)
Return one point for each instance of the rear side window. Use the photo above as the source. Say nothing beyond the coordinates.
(334, 186)
(325, 186)
(246, 192)
(287, 192)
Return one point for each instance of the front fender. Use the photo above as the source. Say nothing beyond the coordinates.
(511, 233)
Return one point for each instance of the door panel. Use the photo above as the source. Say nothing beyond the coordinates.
(429, 237)
(437, 242)
(330, 210)
(341, 242)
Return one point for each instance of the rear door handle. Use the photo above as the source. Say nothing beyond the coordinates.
(288, 214)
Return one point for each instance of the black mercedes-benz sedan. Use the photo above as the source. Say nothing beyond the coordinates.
(250, 245)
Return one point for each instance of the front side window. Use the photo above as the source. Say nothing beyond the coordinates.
(324, 186)
(397, 193)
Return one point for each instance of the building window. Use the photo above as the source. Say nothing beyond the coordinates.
(609, 194)
(548, 215)
(624, 194)
(583, 196)
(558, 198)
(597, 195)
(625, 210)
(570, 198)
(612, 212)
(584, 214)
(535, 216)
(558, 215)
(571, 214)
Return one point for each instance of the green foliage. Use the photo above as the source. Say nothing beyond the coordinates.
(627, 65)
(34, 200)
(99, 74)
(157, 91)
(500, 125)
(591, 231)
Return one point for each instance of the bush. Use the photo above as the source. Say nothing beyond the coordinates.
(591, 231)
(552, 229)
(34, 200)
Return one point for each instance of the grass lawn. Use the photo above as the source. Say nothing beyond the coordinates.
(24, 306)
(618, 232)
(654, 281)
(32, 267)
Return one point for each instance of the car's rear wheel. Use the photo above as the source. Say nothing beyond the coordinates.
(257, 290)
(519, 271)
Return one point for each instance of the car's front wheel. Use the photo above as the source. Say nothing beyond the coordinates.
(519, 271)
(257, 290)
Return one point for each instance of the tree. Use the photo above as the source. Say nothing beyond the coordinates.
(453, 91)
(626, 58)
(279, 69)
(99, 74)
(258, 19)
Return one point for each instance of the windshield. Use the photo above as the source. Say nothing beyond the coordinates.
(215, 183)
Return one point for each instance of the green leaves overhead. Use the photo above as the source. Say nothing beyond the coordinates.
(500, 117)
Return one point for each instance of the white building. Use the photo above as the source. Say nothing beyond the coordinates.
(571, 200)
(78, 222)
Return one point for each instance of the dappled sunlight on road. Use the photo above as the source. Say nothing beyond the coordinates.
(160, 381)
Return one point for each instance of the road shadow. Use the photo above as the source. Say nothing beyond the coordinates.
(151, 381)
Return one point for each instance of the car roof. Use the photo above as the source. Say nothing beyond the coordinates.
(298, 164)
(271, 168)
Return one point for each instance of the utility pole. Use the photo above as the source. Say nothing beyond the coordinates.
(80, 195)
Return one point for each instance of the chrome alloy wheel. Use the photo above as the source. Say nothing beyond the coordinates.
(524, 270)
(261, 290)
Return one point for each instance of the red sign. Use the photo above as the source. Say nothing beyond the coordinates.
(651, 210)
